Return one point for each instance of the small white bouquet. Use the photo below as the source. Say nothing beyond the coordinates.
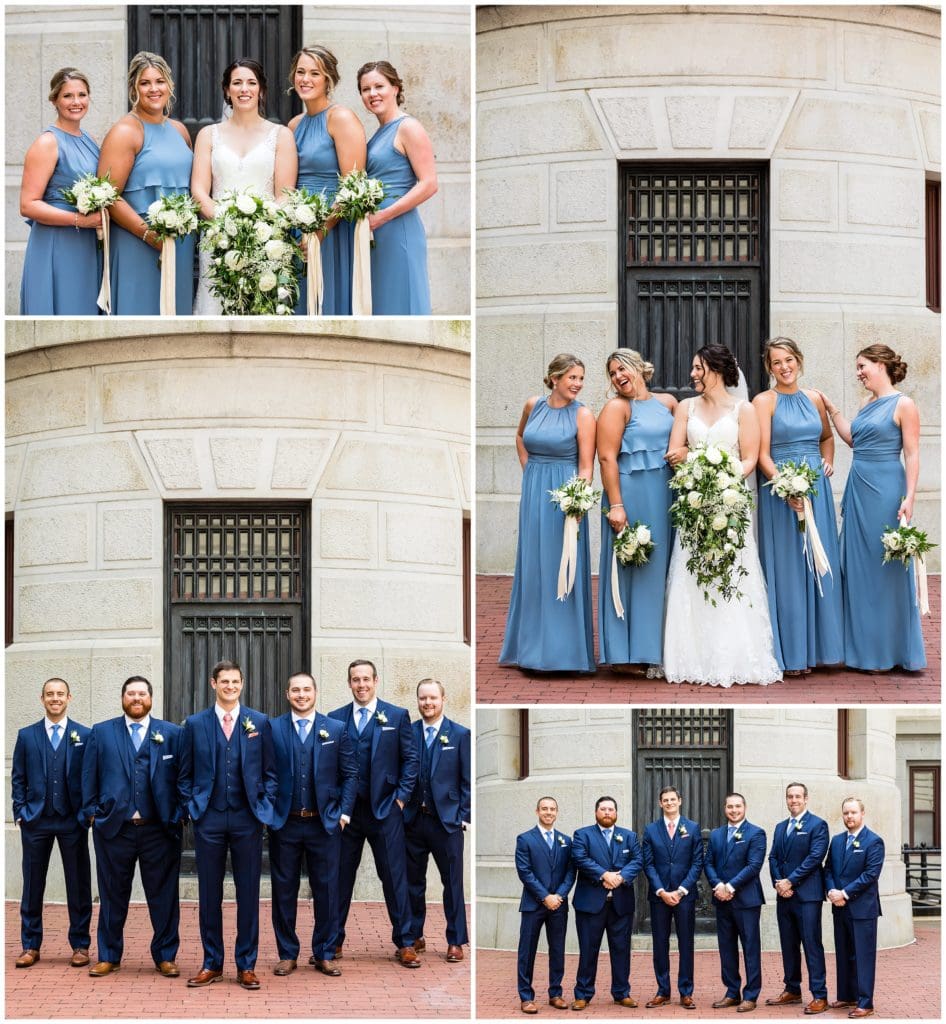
(308, 211)
(575, 498)
(171, 217)
(797, 480)
(358, 196)
(632, 546)
(905, 544)
(90, 194)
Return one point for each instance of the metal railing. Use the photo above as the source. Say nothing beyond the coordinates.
(924, 880)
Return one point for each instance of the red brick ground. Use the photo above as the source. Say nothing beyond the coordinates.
(908, 985)
(496, 685)
(373, 985)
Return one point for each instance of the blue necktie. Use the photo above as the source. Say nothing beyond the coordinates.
(732, 832)
(364, 719)
(56, 738)
(548, 839)
(430, 735)
(850, 843)
(136, 736)
(303, 724)
(791, 827)
(607, 836)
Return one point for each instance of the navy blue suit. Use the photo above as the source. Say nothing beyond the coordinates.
(543, 872)
(47, 806)
(117, 782)
(856, 871)
(433, 819)
(387, 753)
(318, 780)
(229, 790)
(799, 858)
(599, 910)
(738, 862)
(671, 865)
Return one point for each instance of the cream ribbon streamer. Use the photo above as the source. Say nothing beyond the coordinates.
(104, 301)
(569, 563)
(921, 592)
(615, 589)
(815, 554)
(361, 273)
(168, 278)
(315, 283)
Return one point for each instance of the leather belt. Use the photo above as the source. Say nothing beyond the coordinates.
(303, 814)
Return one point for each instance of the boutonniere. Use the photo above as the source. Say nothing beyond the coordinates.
(856, 844)
(323, 734)
(682, 832)
(561, 841)
(737, 835)
(619, 839)
(74, 738)
(156, 737)
(248, 724)
(444, 740)
(381, 717)
(798, 826)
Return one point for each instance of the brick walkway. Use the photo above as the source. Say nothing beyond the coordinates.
(908, 985)
(373, 985)
(496, 685)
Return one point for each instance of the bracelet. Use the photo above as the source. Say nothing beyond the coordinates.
(616, 504)
(144, 234)
(77, 220)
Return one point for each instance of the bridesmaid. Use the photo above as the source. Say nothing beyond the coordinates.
(62, 268)
(555, 440)
(881, 619)
(148, 156)
(633, 435)
(400, 154)
(807, 626)
(330, 141)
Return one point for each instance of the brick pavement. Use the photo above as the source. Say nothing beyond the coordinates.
(496, 685)
(908, 985)
(373, 985)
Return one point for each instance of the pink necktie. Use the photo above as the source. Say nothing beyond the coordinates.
(670, 827)
(227, 724)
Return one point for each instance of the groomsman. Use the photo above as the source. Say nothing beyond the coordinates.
(387, 774)
(607, 859)
(735, 857)
(799, 845)
(673, 860)
(855, 860)
(47, 796)
(317, 774)
(545, 868)
(228, 781)
(436, 816)
(130, 796)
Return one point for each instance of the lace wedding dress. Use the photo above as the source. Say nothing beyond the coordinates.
(731, 643)
(256, 169)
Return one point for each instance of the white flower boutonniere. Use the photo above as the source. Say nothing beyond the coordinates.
(561, 841)
(798, 826)
(619, 839)
(323, 734)
(156, 737)
(683, 832)
(248, 724)
(856, 844)
(737, 835)
(444, 740)
(381, 717)
(74, 738)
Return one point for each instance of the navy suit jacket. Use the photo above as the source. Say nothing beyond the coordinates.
(739, 863)
(107, 774)
(799, 859)
(449, 774)
(543, 871)
(856, 872)
(334, 769)
(28, 776)
(394, 758)
(592, 858)
(199, 760)
(670, 865)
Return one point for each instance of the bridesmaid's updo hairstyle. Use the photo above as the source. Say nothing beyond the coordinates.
(63, 75)
(139, 64)
(720, 360)
(631, 360)
(788, 345)
(896, 368)
(386, 70)
(258, 73)
(326, 60)
(560, 364)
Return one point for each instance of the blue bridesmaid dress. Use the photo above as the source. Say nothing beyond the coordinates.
(162, 168)
(638, 638)
(399, 283)
(62, 270)
(881, 619)
(807, 627)
(542, 632)
(318, 171)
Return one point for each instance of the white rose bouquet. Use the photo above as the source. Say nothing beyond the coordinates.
(712, 515)
(632, 546)
(358, 196)
(574, 498)
(905, 544)
(91, 194)
(797, 480)
(171, 217)
(308, 211)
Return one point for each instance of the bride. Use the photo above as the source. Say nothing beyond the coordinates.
(731, 642)
(243, 150)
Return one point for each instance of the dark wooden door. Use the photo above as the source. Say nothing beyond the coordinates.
(694, 268)
(691, 749)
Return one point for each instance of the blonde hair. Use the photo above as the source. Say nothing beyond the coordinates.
(139, 64)
(327, 63)
(788, 345)
(559, 365)
(59, 79)
(631, 359)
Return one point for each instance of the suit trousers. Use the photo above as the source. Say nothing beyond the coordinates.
(591, 929)
(683, 919)
(855, 943)
(735, 925)
(530, 928)
(799, 927)
(426, 837)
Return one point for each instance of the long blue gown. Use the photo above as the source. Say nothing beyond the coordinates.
(161, 168)
(318, 171)
(638, 638)
(542, 632)
(62, 269)
(399, 282)
(881, 619)
(807, 627)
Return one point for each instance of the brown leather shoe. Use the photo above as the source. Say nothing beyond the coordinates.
(527, 1006)
(658, 1000)
(558, 1003)
(420, 944)
(312, 961)
(248, 980)
(205, 976)
(168, 969)
(628, 1001)
(102, 968)
(454, 954)
(687, 1003)
(861, 1012)
(725, 1002)
(817, 1006)
(784, 999)
(329, 968)
(338, 952)
(407, 957)
(843, 1004)
(27, 958)
(284, 968)
(80, 958)
(746, 1006)
(579, 1004)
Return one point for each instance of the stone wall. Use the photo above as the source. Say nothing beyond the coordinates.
(843, 102)
(428, 44)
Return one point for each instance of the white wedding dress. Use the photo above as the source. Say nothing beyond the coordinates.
(230, 172)
(731, 643)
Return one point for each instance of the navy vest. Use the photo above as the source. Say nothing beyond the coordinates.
(363, 748)
(57, 795)
(303, 785)
(142, 799)
(426, 761)
(229, 791)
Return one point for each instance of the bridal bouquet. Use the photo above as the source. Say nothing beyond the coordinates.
(356, 197)
(904, 544)
(89, 194)
(171, 217)
(632, 546)
(251, 256)
(712, 515)
(575, 497)
(308, 211)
